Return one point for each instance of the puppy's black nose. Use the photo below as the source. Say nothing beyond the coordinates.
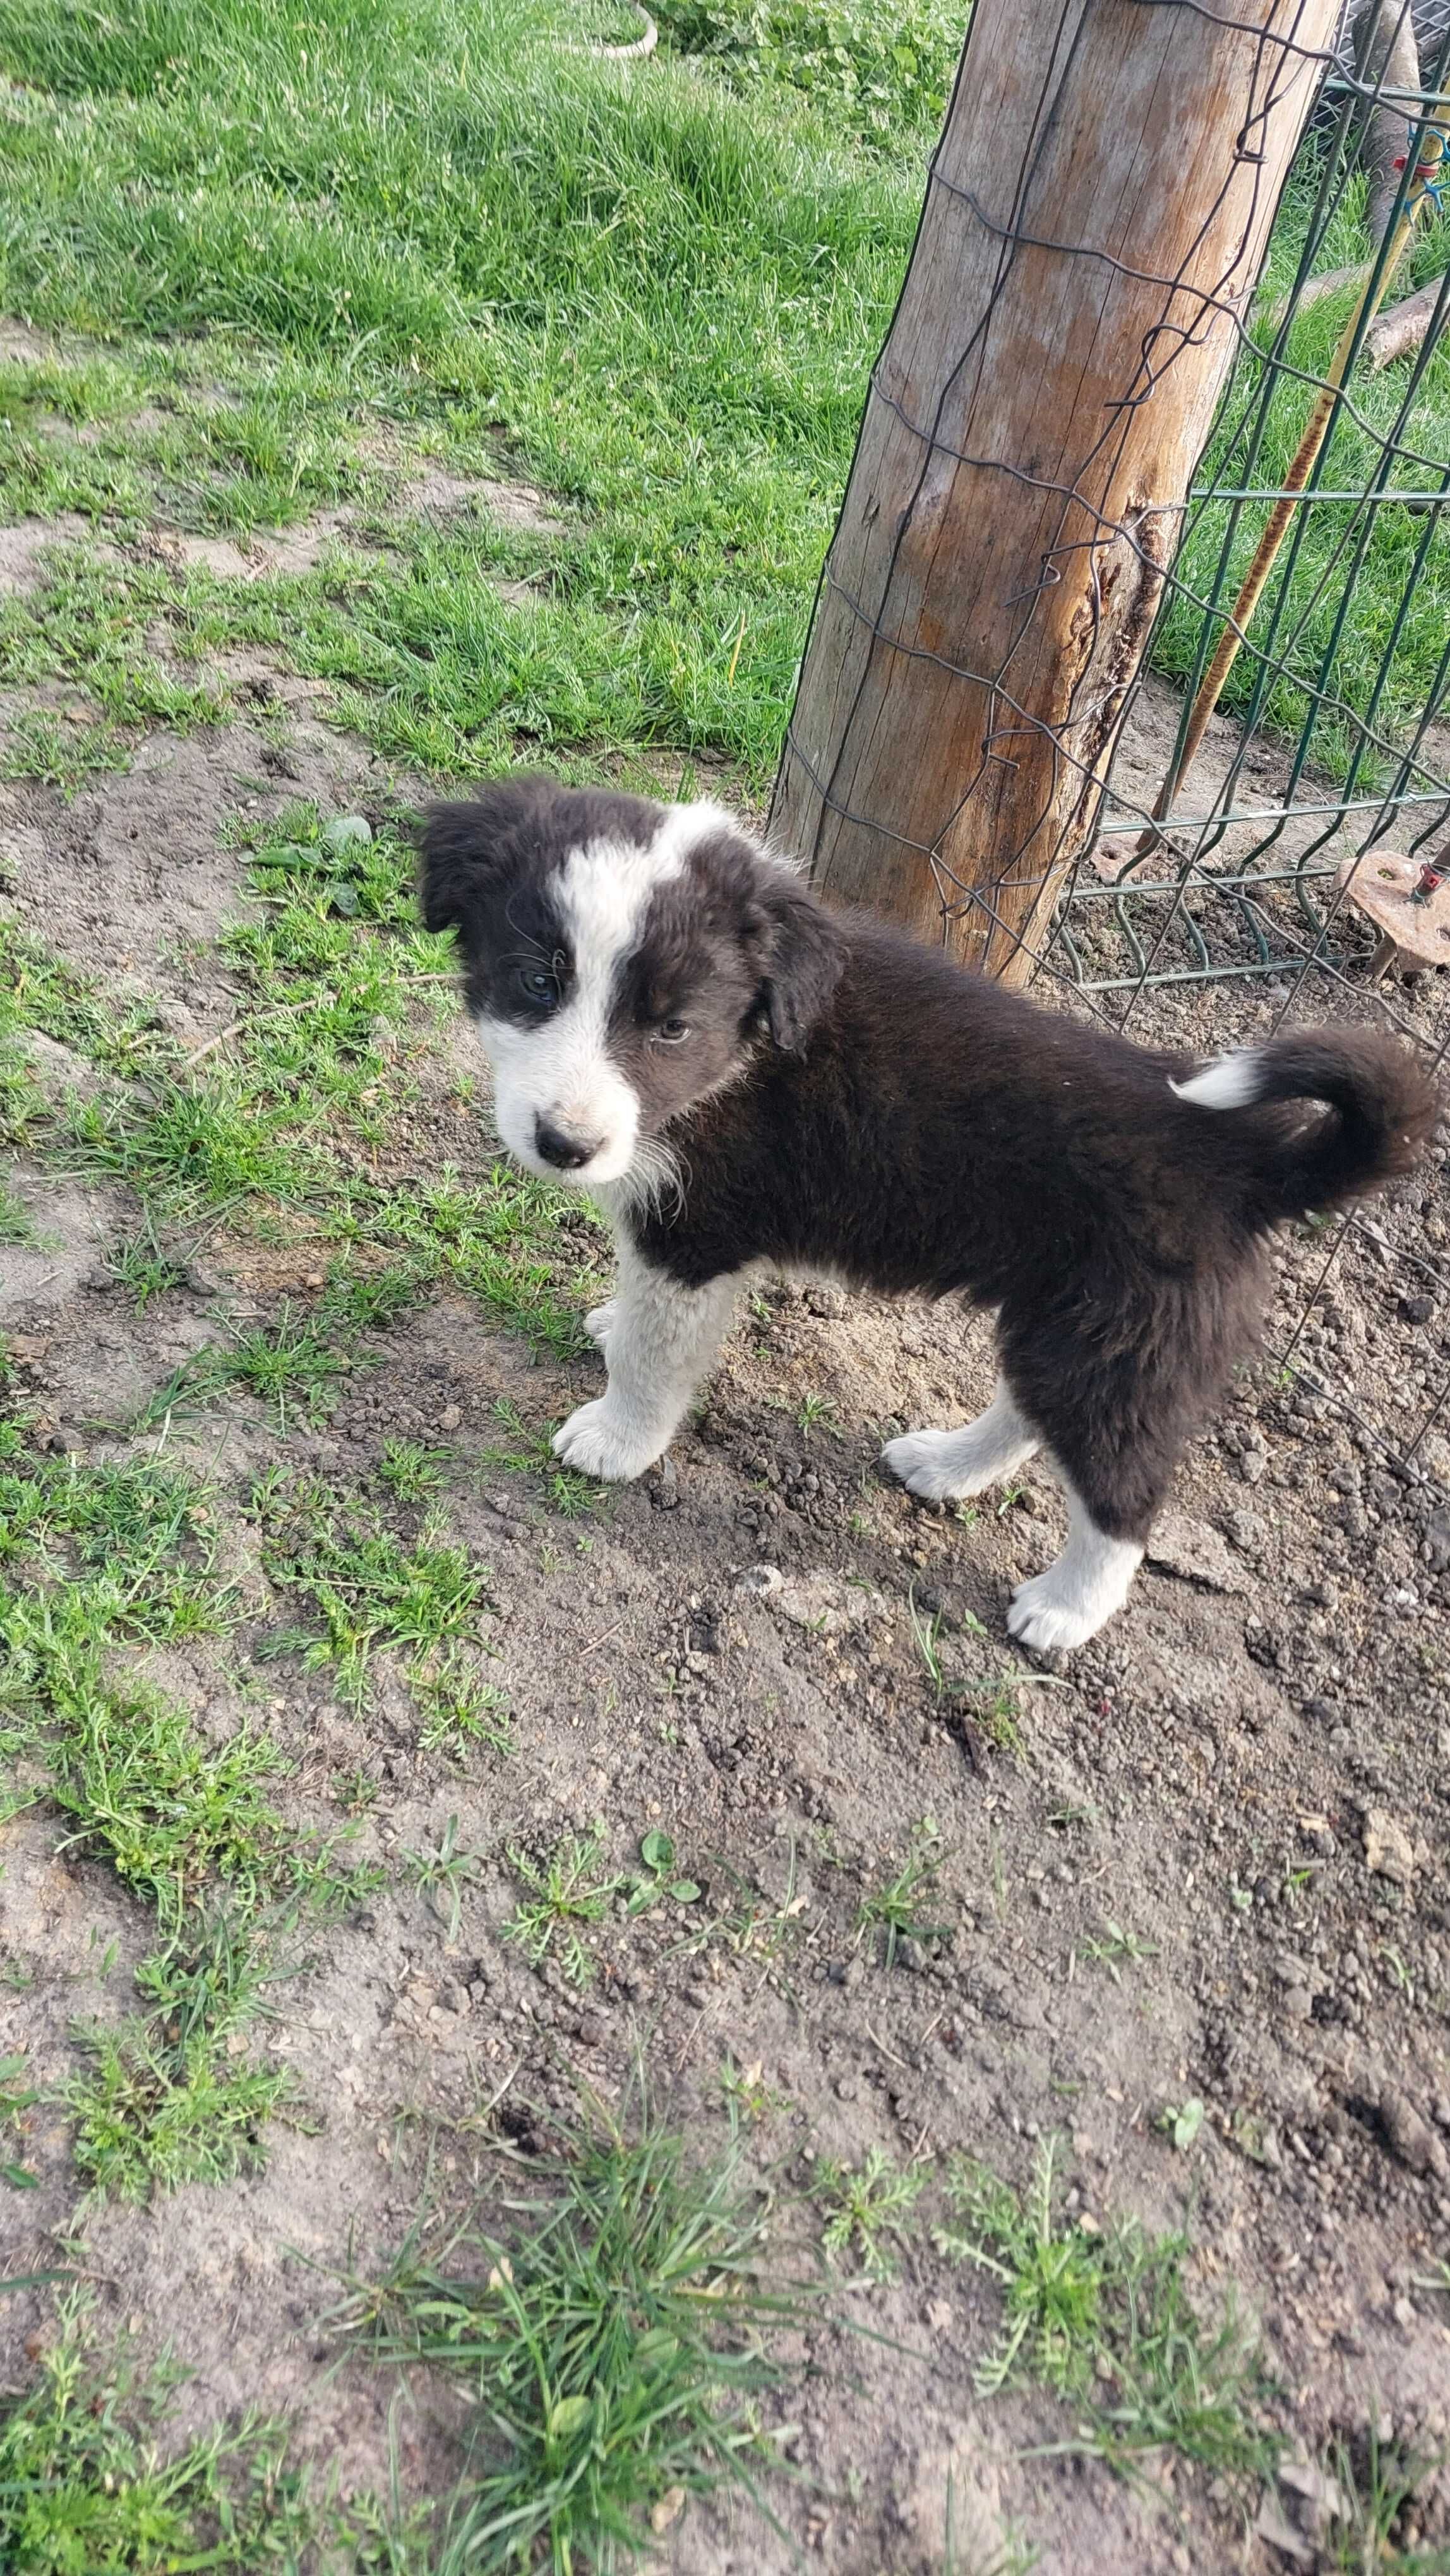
(567, 1153)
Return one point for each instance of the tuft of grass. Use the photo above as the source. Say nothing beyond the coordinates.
(870, 2210)
(411, 1470)
(618, 2349)
(896, 1909)
(60, 751)
(1373, 2530)
(143, 1266)
(563, 1893)
(172, 2096)
(1104, 2320)
(17, 1225)
(370, 1589)
(89, 2487)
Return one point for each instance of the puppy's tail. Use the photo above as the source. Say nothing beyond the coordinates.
(1381, 1107)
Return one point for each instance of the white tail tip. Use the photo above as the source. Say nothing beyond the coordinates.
(1231, 1083)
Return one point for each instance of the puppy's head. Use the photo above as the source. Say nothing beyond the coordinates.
(622, 959)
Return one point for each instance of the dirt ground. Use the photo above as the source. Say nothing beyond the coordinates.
(1246, 1774)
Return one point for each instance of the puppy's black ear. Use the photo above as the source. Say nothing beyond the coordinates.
(464, 848)
(802, 955)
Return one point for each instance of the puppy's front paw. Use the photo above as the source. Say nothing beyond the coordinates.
(923, 1461)
(598, 1321)
(1041, 1618)
(592, 1442)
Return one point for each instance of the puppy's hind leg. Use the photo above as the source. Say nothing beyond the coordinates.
(947, 1466)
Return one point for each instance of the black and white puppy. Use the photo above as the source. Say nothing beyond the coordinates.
(748, 1082)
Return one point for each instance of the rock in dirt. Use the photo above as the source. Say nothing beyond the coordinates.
(762, 1581)
(1388, 1850)
(1195, 1552)
(1273, 2525)
(1409, 2137)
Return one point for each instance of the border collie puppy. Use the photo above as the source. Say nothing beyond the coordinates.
(748, 1082)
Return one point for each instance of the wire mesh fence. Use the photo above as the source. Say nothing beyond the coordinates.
(1257, 824)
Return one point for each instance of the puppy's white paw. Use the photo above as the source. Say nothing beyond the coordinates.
(592, 1441)
(598, 1321)
(924, 1462)
(1047, 1625)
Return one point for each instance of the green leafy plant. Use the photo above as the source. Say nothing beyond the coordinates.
(1103, 2318)
(870, 2210)
(563, 1893)
(656, 1877)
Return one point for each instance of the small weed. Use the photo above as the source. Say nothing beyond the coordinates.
(173, 2097)
(869, 2209)
(443, 1875)
(411, 1470)
(1105, 2321)
(618, 2350)
(16, 2098)
(746, 2091)
(87, 2489)
(459, 1706)
(1181, 2124)
(563, 1894)
(896, 1909)
(1115, 1946)
(818, 1413)
(656, 1877)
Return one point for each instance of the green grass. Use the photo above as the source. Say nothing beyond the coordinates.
(442, 212)
(92, 2485)
(617, 2346)
(1104, 2320)
(899, 1910)
(172, 2095)
(368, 1589)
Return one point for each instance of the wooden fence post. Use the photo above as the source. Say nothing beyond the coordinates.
(1093, 228)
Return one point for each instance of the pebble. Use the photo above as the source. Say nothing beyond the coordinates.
(1388, 1850)
(1252, 1466)
(1409, 2137)
(450, 1418)
(825, 1300)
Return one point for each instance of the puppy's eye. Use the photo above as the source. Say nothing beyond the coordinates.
(672, 1032)
(539, 987)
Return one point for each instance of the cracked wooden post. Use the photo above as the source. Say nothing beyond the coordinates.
(1095, 221)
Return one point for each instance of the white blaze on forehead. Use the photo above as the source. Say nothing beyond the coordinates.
(561, 1070)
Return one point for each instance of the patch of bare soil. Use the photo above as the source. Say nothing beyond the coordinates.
(1246, 1773)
